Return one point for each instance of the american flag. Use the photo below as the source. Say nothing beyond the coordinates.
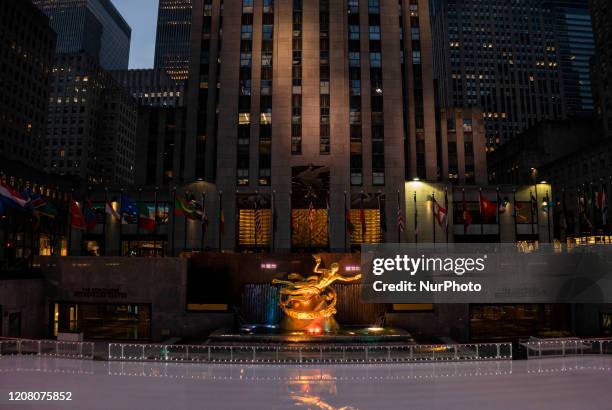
(258, 222)
(401, 225)
(311, 216)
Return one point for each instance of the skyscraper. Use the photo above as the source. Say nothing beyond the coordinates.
(91, 128)
(310, 107)
(172, 46)
(502, 57)
(574, 33)
(27, 43)
(93, 26)
(602, 63)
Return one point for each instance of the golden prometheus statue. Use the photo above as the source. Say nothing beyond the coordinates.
(310, 303)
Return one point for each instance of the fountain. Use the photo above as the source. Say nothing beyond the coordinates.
(309, 306)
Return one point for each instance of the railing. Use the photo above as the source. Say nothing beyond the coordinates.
(538, 349)
(310, 354)
(50, 348)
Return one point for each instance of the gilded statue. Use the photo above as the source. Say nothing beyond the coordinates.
(312, 298)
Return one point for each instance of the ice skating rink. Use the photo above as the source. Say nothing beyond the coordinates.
(552, 384)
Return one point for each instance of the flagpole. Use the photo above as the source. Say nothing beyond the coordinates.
(499, 203)
(481, 215)
(105, 220)
(416, 216)
(121, 222)
(255, 224)
(593, 208)
(185, 224)
(399, 228)
(578, 213)
(563, 236)
(274, 216)
(138, 215)
(155, 220)
(515, 212)
(68, 251)
(447, 211)
(221, 217)
(548, 216)
(345, 224)
(173, 219)
(608, 211)
(433, 217)
(202, 222)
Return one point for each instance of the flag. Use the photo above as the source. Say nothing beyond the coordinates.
(439, 213)
(90, 215)
(185, 207)
(204, 215)
(258, 221)
(401, 224)
(222, 222)
(128, 208)
(362, 219)
(12, 196)
(534, 204)
(467, 217)
(146, 221)
(502, 203)
(602, 205)
(77, 221)
(487, 209)
(350, 228)
(311, 216)
(582, 209)
(111, 211)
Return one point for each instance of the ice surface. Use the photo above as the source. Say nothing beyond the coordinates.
(570, 383)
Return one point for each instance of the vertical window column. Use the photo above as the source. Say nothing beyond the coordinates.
(296, 93)
(417, 73)
(355, 124)
(265, 120)
(244, 102)
(324, 77)
(376, 94)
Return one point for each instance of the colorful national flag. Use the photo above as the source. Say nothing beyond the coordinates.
(350, 227)
(311, 216)
(258, 221)
(129, 208)
(11, 196)
(108, 208)
(602, 205)
(439, 213)
(487, 208)
(77, 221)
(89, 213)
(467, 218)
(145, 219)
(401, 224)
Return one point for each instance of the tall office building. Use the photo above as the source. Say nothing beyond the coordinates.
(502, 57)
(602, 63)
(93, 26)
(574, 33)
(91, 127)
(306, 107)
(172, 46)
(27, 43)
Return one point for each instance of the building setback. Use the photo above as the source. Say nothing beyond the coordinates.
(602, 63)
(502, 57)
(173, 43)
(92, 26)
(27, 43)
(91, 124)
